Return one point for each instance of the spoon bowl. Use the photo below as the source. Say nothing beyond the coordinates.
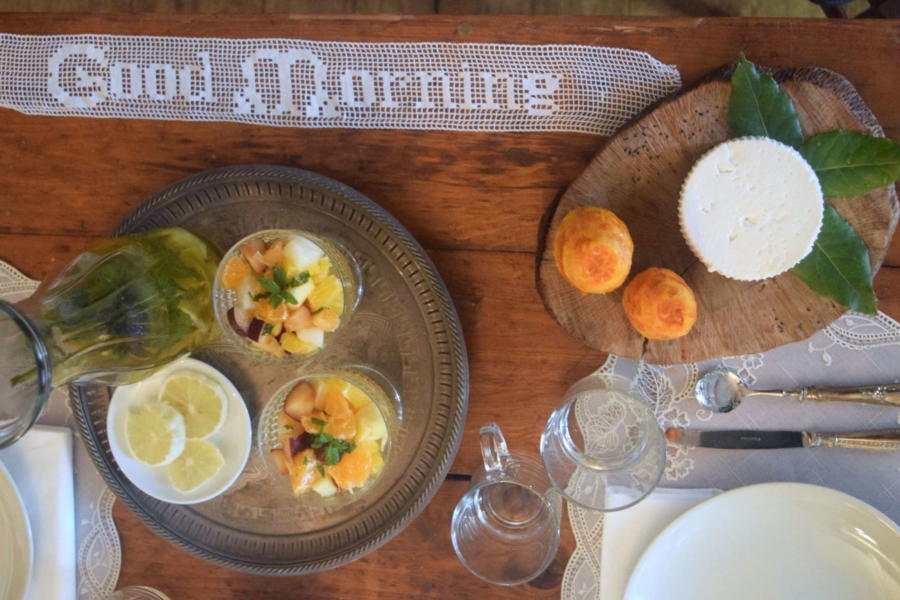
(721, 390)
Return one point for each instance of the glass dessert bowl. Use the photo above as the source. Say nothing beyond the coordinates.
(283, 294)
(328, 436)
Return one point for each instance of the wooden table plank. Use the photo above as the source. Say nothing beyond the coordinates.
(473, 199)
(418, 563)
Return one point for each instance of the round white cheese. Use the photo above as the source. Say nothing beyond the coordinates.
(751, 208)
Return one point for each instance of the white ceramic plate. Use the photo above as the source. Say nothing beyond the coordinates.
(776, 541)
(16, 549)
(233, 439)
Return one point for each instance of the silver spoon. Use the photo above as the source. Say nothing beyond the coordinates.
(722, 390)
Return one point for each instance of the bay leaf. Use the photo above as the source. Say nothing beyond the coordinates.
(838, 266)
(850, 163)
(759, 107)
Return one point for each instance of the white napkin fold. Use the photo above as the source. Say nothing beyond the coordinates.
(628, 532)
(41, 465)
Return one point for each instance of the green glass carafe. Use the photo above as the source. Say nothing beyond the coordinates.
(124, 308)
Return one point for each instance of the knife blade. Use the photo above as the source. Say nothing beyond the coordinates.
(736, 439)
(743, 439)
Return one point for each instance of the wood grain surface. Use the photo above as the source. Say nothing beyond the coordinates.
(474, 200)
(638, 175)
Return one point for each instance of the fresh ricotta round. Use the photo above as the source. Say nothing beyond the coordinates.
(751, 208)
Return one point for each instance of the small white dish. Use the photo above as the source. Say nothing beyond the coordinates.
(17, 548)
(232, 440)
(777, 541)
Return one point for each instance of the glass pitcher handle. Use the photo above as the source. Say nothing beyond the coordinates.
(493, 448)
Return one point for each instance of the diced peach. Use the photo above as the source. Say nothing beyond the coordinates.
(326, 319)
(280, 461)
(300, 401)
(254, 257)
(236, 269)
(299, 319)
(353, 470)
(272, 255)
(593, 248)
(242, 318)
(660, 304)
(288, 425)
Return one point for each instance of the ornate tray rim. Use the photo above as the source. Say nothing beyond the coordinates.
(459, 364)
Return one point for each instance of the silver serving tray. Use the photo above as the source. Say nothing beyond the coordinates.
(405, 330)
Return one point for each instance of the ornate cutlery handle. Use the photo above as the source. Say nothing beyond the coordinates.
(888, 395)
(885, 439)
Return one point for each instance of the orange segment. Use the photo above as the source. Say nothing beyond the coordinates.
(343, 427)
(235, 271)
(353, 470)
(270, 314)
(335, 403)
(303, 471)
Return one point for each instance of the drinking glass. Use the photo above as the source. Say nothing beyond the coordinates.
(505, 529)
(121, 310)
(602, 448)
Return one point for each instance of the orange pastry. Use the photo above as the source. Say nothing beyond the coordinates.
(593, 250)
(659, 304)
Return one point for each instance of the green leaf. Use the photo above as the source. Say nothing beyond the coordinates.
(332, 455)
(270, 285)
(267, 328)
(280, 276)
(300, 278)
(289, 297)
(276, 300)
(319, 422)
(320, 469)
(850, 163)
(759, 107)
(838, 266)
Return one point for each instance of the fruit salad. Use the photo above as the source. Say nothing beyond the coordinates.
(332, 437)
(287, 296)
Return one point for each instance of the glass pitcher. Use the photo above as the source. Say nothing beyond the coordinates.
(122, 309)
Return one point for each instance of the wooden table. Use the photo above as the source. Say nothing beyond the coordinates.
(472, 199)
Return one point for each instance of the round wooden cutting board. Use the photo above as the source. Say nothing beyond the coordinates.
(638, 175)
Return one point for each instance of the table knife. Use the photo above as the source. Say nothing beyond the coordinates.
(738, 439)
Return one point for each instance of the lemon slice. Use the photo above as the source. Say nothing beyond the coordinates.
(199, 399)
(155, 433)
(199, 462)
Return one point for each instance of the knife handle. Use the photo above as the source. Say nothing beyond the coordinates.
(888, 395)
(885, 440)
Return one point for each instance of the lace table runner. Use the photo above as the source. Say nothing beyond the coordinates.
(99, 553)
(303, 83)
(855, 350)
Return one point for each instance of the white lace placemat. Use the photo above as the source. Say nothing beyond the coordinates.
(99, 553)
(302, 83)
(855, 350)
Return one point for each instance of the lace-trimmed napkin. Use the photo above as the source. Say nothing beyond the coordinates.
(98, 552)
(301, 83)
(855, 350)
